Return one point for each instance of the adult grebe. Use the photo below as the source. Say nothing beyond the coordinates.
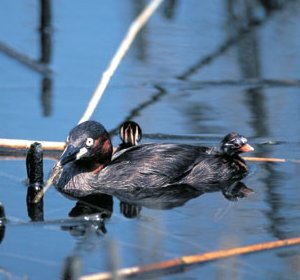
(86, 166)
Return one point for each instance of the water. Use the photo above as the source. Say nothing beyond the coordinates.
(228, 83)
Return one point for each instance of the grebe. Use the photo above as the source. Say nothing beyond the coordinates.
(86, 166)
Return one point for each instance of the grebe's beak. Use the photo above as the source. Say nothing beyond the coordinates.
(246, 148)
(71, 153)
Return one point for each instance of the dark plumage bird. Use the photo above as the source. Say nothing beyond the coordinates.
(86, 166)
(130, 134)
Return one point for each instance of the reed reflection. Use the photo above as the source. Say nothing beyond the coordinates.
(45, 31)
(249, 62)
(141, 42)
(169, 8)
(248, 54)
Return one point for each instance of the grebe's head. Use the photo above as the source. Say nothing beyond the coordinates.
(234, 144)
(87, 142)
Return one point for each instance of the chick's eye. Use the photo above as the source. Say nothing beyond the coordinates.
(89, 142)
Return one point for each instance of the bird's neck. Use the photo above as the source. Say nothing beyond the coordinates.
(240, 163)
(236, 161)
(104, 155)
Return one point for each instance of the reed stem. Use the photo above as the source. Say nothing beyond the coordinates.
(178, 264)
(134, 28)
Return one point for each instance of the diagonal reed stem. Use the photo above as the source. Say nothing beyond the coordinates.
(179, 264)
(126, 43)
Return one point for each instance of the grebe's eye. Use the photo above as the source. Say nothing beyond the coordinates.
(236, 145)
(89, 142)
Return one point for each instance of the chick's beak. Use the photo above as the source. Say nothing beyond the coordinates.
(69, 154)
(246, 148)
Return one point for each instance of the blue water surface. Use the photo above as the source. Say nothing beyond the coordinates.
(198, 68)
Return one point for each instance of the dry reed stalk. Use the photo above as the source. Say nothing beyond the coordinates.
(265, 159)
(185, 261)
(48, 184)
(262, 159)
(25, 144)
(59, 146)
(134, 28)
(23, 157)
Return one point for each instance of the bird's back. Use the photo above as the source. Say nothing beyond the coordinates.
(151, 166)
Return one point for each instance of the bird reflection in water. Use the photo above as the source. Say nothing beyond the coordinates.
(176, 196)
(92, 212)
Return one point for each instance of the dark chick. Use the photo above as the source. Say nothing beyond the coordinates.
(130, 134)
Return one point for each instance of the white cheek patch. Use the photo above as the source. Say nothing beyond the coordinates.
(81, 152)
